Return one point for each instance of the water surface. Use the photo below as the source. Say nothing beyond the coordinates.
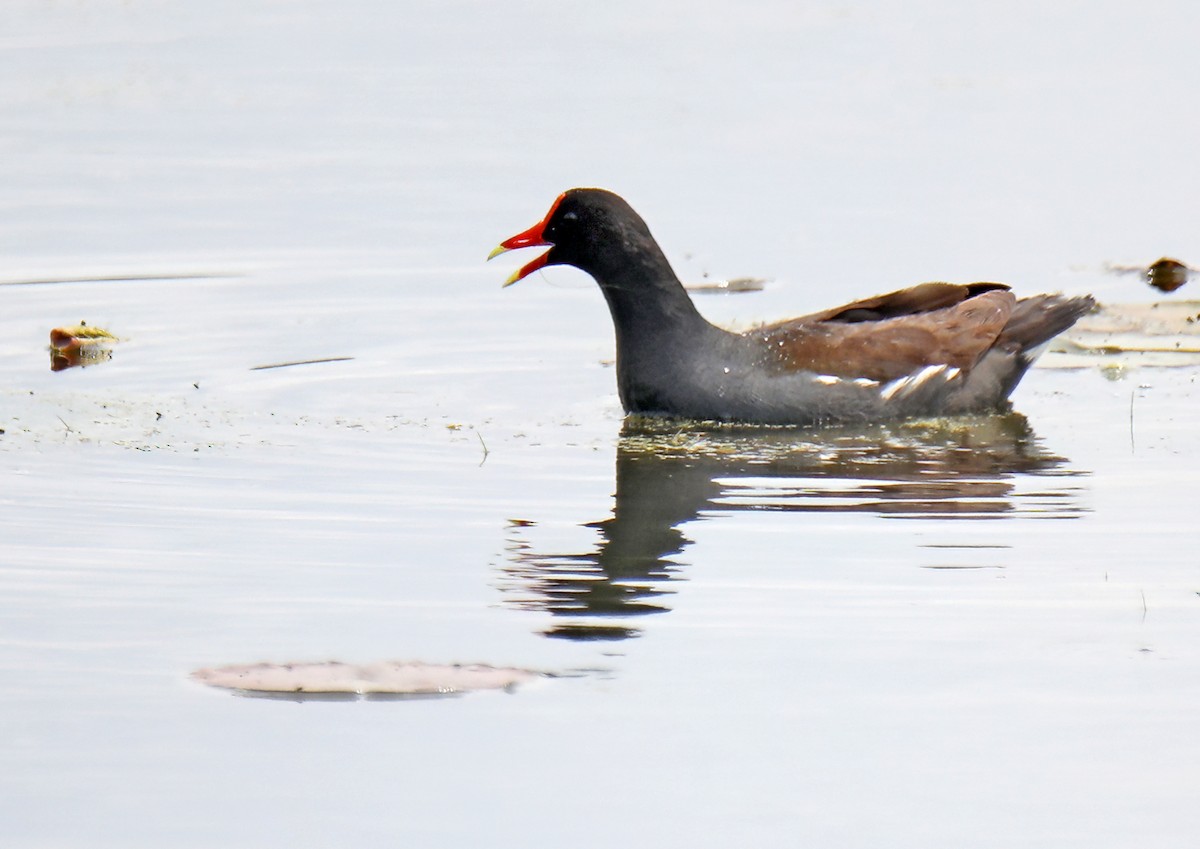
(979, 632)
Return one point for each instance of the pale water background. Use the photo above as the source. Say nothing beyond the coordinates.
(983, 634)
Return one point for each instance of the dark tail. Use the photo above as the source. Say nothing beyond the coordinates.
(1034, 322)
(1037, 320)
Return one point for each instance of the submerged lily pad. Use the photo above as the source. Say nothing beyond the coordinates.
(385, 678)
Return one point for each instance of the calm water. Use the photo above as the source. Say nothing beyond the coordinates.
(970, 633)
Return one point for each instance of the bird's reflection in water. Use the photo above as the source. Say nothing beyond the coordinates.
(989, 467)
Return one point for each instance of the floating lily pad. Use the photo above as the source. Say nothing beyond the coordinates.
(386, 678)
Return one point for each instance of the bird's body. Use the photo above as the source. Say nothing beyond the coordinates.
(934, 349)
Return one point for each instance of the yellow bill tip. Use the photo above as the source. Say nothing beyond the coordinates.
(496, 251)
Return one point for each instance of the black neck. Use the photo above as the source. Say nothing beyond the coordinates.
(646, 299)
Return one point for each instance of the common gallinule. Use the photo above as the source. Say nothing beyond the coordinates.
(934, 349)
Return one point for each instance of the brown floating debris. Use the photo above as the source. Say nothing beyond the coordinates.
(1167, 274)
(79, 334)
(1164, 274)
(385, 678)
(79, 345)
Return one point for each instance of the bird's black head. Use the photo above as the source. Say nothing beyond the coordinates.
(586, 228)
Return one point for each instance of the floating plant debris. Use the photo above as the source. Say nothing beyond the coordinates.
(733, 285)
(301, 363)
(79, 345)
(386, 678)
(1164, 274)
(1166, 333)
(1167, 274)
(120, 278)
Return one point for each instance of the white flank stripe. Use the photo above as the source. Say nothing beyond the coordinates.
(909, 383)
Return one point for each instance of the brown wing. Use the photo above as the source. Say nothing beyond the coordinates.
(892, 335)
(924, 297)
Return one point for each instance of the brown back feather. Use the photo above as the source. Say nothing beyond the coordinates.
(892, 335)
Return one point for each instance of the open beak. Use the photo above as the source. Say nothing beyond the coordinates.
(535, 236)
(528, 239)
